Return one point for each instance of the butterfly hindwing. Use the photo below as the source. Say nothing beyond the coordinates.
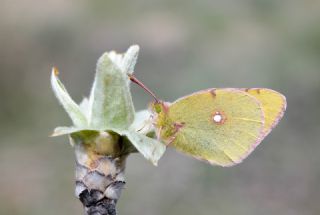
(221, 126)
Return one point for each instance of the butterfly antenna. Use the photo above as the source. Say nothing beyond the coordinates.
(136, 81)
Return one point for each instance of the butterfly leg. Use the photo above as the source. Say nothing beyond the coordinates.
(177, 127)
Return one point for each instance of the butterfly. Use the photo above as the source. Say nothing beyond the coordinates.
(220, 126)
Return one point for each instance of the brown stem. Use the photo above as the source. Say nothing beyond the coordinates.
(95, 206)
(99, 176)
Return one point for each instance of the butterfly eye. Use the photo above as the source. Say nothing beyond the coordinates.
(218, 117)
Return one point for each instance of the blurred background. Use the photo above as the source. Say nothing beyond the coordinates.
(185, 46)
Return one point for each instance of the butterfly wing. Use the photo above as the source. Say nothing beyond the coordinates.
(221, 126)
(273, 106)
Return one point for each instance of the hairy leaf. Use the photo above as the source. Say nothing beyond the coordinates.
(142, 122)
(73, 110)
(150, 148)
(110, 98)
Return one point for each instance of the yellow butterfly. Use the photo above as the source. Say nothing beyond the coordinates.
(220, 126)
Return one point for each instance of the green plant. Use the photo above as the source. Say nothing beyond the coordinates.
(106, 129)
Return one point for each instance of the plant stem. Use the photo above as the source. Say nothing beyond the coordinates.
(99, 177)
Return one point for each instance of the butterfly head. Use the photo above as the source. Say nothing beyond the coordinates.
(159, 107)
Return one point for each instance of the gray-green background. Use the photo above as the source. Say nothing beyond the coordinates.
(185, 46)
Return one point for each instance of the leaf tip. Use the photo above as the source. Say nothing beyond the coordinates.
(134, 48)
(55, 71)
(53, 134)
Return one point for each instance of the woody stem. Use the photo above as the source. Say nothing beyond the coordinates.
(99, 178)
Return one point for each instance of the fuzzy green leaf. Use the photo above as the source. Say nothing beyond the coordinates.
(130, 59)
(142, 122)
(85, 107)
(110, 98)
(73, 110)
(64, 130)
(150, 148)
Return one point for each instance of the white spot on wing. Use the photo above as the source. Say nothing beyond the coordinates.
(217, 117)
